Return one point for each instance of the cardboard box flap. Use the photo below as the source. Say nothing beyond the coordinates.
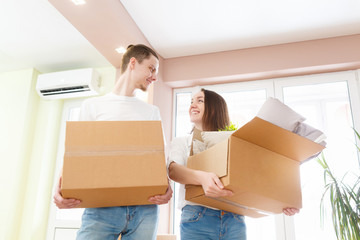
(201, 161)
(135, 136)
(277, 139)
(197, 136)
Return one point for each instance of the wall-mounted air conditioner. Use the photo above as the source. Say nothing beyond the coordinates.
(69, 84)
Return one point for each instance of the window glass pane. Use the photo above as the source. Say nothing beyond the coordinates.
(326, 107)
(260, 228)
(65, 233)
(183, 125)
(243, 105)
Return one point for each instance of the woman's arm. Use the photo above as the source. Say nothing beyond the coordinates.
(290, 211)
(210, 183)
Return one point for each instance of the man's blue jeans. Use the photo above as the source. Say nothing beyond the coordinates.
(201, 223)
(132, 222)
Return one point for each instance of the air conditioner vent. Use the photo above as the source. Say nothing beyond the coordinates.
(63, 90)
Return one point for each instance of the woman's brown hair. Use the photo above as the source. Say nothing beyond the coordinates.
(139, 52)
(216, 114)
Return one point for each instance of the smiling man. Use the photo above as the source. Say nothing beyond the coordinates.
(138, 70)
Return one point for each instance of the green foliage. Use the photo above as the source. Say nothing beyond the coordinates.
(231, 127)
(344, 200)
(358, 136)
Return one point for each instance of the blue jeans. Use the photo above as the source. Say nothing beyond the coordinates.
(132, 222)
(202, 223)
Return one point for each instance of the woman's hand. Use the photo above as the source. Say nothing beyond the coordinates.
(212, 185)
(290, 211)
(64, 203)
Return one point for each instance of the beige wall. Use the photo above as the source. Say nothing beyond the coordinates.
(293, 59)
(29, 129)
(317, 56)
(28, 136)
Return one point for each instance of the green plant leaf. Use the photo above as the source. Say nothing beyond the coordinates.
(231, 127)
(344, 201)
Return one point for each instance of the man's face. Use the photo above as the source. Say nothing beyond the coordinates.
(145, 72)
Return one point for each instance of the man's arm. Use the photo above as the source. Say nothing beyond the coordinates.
(162, 199)
(64, 203)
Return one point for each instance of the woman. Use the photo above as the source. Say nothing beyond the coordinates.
(208, 112)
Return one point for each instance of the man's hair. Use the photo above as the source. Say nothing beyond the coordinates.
(216, 116)
(139, 52)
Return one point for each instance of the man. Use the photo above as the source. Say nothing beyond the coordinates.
(138, 70)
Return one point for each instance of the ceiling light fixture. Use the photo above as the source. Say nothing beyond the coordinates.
(120, 50)
(79, 2)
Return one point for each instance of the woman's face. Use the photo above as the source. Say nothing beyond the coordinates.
(197, 109)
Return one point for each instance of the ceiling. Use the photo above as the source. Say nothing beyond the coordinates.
(35, 35)
(190, 27)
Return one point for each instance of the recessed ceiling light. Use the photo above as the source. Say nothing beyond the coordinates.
(79, 2)
(120, 50)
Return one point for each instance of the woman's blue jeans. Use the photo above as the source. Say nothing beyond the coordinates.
(202, 223)
(132, 222)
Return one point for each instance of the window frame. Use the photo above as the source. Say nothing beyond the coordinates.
(285, 228)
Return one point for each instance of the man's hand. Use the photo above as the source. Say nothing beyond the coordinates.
(290, 211)
(162, 199)
(64, 203)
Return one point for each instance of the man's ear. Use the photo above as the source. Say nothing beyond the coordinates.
(132, 62)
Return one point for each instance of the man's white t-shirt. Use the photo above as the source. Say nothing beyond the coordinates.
(112, 107)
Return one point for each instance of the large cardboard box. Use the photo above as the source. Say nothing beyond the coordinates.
(260, 163)
(114, 163)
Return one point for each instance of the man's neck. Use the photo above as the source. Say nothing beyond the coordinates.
(123, 86)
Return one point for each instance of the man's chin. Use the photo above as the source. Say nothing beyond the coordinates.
(144, 88)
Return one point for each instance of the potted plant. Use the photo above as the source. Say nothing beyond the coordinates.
(344, 200)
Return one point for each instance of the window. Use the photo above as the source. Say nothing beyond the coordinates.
(64, 223)
(329, 102)
(326, 102)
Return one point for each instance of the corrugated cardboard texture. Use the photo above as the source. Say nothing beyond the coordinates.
(107, 136)
(114, 163)
(259, 171)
